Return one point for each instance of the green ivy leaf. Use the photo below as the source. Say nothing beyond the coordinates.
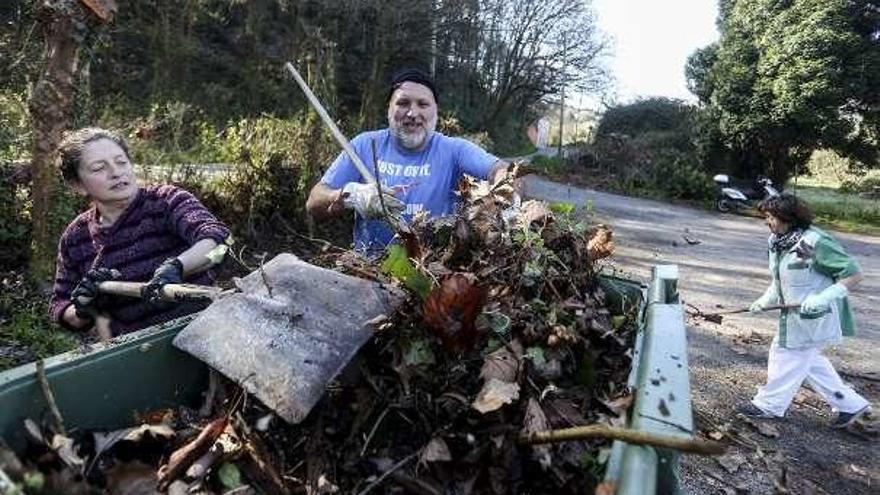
(419, 352)
(399, 266)
(499, 322)
(229, 475)
(536, 355)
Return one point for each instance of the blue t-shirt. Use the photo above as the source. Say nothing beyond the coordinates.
(425, 180)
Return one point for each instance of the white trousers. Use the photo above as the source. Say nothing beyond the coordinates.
(786, 371)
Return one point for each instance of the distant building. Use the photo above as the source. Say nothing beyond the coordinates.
(543, 127)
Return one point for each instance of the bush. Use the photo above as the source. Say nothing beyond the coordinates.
(867, 184)
(549, 165)
(828, 166)
(650, 115)
(15, 130)
(15, 225)
(679, 176)
(274, 164)
(24, 324)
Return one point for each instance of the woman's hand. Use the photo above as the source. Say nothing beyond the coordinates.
(821, 302)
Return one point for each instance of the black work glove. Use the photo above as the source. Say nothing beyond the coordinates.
(169, 272)
(85, 295)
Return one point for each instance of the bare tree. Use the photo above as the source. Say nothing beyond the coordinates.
(534, 46)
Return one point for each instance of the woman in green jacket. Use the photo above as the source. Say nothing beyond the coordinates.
(810, 266)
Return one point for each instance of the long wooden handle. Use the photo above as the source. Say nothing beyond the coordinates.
(635, 437)
(170, 292)
(343, 141)
(745, 310)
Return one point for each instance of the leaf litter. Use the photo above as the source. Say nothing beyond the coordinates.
(507, 331)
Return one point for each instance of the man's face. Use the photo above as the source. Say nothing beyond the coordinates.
(412, 114)
(105, 173)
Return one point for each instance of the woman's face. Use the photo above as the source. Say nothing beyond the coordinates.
(776, 225)
(105, 173)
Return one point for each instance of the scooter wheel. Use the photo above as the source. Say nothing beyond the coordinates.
(723, 206)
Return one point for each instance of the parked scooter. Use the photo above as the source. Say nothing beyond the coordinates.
(737, 196)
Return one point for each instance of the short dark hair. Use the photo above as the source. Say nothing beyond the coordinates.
(788, 208)
(71, 148)
(411, 75)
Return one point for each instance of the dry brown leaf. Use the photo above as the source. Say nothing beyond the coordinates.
(601, 244)
(504, 363)
(495, 394)
(451, 311)
(764, 427)
(104, 9)
(532, 211)
(35, 432)
(165, 416)
(620, 405)
(731, 462)
(326, 486)
(105, 441)
(535, 420)
(66, 450)
(435, 451)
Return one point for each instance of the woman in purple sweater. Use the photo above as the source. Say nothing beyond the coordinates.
(157, 234)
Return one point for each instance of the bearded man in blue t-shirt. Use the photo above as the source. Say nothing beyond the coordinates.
(419, 168)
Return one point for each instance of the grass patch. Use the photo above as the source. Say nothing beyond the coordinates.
(26, 333)
(838, 210)
(30, 330)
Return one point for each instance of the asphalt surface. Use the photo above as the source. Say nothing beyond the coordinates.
(722, 264)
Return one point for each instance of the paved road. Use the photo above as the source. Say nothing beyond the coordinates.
(727, 268)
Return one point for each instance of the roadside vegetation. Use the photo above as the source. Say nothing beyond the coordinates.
(786, 90)
(842, 197)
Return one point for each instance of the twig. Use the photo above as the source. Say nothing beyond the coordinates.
(265, 277)
(390, 470)
(327, 244)
(635, 437)
(373, 431)
(50, 397)
(860, 376)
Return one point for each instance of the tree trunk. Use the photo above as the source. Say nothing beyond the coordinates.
(50, 116)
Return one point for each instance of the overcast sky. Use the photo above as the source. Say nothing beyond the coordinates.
(651, 41)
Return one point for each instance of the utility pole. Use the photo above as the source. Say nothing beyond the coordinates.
(562, 99)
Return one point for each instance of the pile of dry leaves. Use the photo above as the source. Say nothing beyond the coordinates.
(507, 333)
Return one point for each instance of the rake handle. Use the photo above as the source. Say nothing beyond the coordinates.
(745, 310)
(170, 292)
(340, 137)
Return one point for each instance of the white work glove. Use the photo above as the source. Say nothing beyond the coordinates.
(821, 302)
(769, 297)
(364, 199)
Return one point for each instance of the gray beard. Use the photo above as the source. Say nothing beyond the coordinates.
(411, 141)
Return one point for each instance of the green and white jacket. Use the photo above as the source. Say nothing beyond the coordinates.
(813, 264)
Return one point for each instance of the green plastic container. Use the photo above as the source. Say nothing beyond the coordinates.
(106, 385)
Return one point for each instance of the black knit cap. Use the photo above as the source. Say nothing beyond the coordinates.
(412, 75)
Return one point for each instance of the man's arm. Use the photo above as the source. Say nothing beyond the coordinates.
(324, 201)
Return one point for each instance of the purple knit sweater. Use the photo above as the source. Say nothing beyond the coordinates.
(162, 222)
